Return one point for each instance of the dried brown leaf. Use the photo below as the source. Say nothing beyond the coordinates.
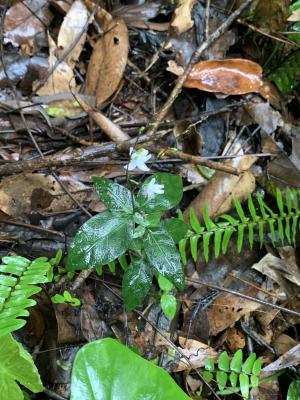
(229, 76)
(182, 20)
(72, 30)
(108, 62)
(197, 353)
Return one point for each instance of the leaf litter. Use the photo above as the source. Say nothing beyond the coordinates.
(82, 83)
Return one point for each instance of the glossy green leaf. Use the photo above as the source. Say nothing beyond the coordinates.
(233, 378)
(137, 281)
(207, 376)
(116, 197)
(100, 240)
(236, 362)
(163, 255)
(16, 367)
(172, 186)
(209, 365)
(294, 390)
(195, 223)
(257, 367)
(223, 362)
(244, 385)
(164, 283)
(107, 370)
(169, 305)
(177, 229)
(221, 378)
(182, 250)
(194, 246)
(254, 380)
(248, 364)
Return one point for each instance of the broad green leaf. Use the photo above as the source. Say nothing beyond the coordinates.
(114, 196)
(177, 229)
(163, 255)
(227, 235)
(241, 229)
(16, 367)
(236, 362)
(254, 381)
(100, 240)
(252, 209)
(182, 250)
(164, 283)
(209, 365)
(207, 376)
(206, 239)
(221, 378)
(168, 304)
(172, 186)
(223, 362)
(218, 239)
(240, 211)
(248, 364)
(107, 370)
(195, 223)
(233, 378)
(257, 367)
(123, 262)
(137, 281)
(294, 390)
(244, 385)
(210, 225)
(194, 246)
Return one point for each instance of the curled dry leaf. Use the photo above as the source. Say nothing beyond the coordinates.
(196, 352)
(182, 21)
(108, 62)
(72, 33)
(229, 76)
(218, 194)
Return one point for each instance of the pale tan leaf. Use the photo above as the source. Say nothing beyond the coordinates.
(108, 62)
(72, 30)
(182, 21)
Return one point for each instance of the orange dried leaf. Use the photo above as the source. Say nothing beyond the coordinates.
(229, 76)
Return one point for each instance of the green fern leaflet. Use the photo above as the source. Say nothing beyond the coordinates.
(251, 220)
(19, 278)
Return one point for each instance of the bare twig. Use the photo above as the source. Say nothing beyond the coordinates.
(245, 296)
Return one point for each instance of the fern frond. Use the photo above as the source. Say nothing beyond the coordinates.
(19, 280)
(281, 224)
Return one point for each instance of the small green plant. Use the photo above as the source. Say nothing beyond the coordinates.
(234, 376)
(19, 280)
(132, 226)
(65, 298)
(285, 75)
(167, 300)
(282, 224)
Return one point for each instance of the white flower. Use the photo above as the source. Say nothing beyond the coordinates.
(138, 159)
(152, 188)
